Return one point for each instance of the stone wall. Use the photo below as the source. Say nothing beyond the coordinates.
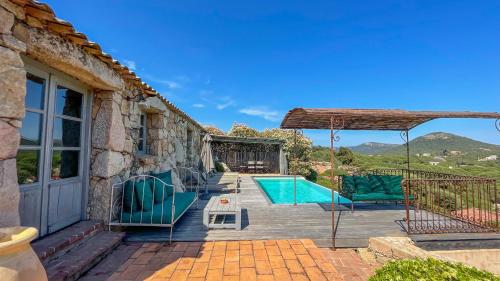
(12, 92)
(117, 103)
(115, 158)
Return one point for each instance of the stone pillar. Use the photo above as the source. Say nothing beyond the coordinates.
(12, 93)
(108, 143)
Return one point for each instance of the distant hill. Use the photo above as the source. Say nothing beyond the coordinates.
(445, 144)
(440, 152)
(433, 144)
(373, 147)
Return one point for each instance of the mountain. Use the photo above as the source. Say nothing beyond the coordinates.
(439, 144)
(373, 147)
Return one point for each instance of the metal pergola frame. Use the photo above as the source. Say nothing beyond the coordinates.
(337, 120)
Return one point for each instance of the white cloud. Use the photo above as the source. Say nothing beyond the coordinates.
(171, 84)
(224, 105)
(130, 64)
(263, 112)
(198, 105)
(224, 102)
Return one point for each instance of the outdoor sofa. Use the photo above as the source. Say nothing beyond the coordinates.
(372, 188)
(149, 200)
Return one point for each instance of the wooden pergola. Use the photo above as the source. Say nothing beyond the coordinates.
(337, 119)
(242, 150)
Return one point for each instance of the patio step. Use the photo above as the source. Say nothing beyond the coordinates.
(82, 258)
(57, 244)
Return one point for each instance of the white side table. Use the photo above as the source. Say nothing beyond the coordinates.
(216, 215)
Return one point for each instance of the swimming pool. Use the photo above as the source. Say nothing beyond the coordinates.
(280, 191)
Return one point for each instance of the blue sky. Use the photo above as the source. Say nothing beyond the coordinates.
(250, 62)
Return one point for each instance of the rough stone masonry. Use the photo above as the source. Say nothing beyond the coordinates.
(31, 31)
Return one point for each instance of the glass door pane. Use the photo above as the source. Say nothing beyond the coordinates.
(66, 133)
(29, 153)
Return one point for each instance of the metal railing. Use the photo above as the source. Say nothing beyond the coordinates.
(452, 205)
(189, 178)
(448, 203)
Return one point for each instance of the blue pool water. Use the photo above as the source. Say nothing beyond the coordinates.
(280, 191)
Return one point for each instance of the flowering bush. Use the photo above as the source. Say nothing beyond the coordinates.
(242, 130)
(214, 130)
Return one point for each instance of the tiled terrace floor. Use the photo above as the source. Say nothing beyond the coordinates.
(236, 260)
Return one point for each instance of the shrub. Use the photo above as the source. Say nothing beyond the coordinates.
(219, 167)
(313, 175)
(429, 269)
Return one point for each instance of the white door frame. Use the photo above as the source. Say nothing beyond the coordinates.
(53, 79)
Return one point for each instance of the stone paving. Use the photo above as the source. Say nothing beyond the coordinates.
(232, 260)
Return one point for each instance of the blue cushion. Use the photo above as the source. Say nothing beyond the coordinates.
(362, 184)
(392, 184)
(129, 198)
(348, 186)
(162, 212)
(161, 191)
(379, 197)
(144, 195)
(376, 184)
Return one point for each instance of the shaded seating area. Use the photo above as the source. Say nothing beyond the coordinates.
(434, 202)
(372, 188)
(151, 200)
(254, 155)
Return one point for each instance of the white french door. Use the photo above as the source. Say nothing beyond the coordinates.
(51, 162)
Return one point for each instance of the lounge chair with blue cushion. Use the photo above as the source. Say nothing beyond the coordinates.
(372, 188)
(149, 200)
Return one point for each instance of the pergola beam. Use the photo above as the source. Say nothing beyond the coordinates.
(371, 119)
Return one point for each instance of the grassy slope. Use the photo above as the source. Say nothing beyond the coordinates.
(466, 163)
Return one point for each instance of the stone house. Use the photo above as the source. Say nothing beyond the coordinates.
(73, 121)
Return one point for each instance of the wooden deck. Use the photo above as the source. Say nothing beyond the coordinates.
(262, 220)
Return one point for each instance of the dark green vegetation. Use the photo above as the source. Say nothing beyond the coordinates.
(450, 154)
(429, 269)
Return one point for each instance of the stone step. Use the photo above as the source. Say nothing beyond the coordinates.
(60, 242)
(81, 259)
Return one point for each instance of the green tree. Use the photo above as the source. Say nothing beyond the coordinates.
(345, 156)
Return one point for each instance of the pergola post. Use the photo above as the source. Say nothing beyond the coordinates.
(332, 175)
(295, 168)
(335, 124)
(406, 138)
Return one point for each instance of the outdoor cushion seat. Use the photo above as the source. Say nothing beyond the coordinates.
(378, 197)
(159, 193)
(373, 188)
(182, 201)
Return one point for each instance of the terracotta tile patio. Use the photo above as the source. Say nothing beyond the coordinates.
(241, 260)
